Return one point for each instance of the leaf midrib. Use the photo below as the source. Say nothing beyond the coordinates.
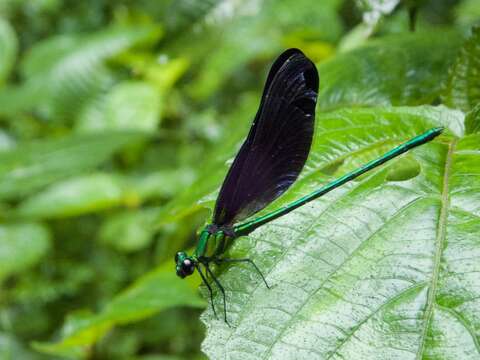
(245, 308)
(377, 144)
(440, 240)
(335, 271)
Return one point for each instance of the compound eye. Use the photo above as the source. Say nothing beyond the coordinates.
(188, 266)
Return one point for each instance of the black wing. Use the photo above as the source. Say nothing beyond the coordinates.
(278, 143)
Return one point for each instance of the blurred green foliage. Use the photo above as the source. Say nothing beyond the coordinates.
(118, 119)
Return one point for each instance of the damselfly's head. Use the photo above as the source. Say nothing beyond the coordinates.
(185, 265)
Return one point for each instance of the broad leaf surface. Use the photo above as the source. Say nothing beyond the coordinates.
(119, 121)
(405, 69)
(378, 269)
(213, 172)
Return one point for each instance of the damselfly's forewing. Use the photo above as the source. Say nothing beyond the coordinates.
(278, 143)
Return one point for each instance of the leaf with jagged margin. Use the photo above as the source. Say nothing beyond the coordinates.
(31, 166)
(22, 245)
(377, 269)
(462, 89)
(155, 291)
(8, 49)
(405, 69)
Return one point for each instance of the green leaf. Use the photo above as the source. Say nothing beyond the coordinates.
(355, 38)
(22, 245)
(74, 197)
(64, 73)
(46, 54)
(17, 98)
(213, 169)
(376, 269)
(31, 166)
(472, 120)
(164, 73)
(128, 106)
(462, 89)
(100, 191)
(11, 348)
(405, 69)
(163, 183)
(468, 12)
(250, 35)
(212, 173)
(187, 13)
(8, 49)
(157, 290)
(130, 230)
(75, 54)
(6, 141)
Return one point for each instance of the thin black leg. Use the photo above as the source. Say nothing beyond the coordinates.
(250, 261)
(204, 279)
(221, 289)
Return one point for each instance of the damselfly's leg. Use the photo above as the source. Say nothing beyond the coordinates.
(221, 289)
(250, 261)
(204, 279)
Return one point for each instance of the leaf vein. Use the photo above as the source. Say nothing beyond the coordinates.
(440, 240)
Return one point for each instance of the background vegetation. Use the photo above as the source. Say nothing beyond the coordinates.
(118, 119)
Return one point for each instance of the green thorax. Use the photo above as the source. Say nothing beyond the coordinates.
(210, 244)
